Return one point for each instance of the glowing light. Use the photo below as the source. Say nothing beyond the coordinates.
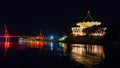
(7, 46)
(61, 44)
(51, 46)
(36, 44)
(78, 31)
(63, 38)
(88, 24)
(20, 40)
(51, 37)
(87, 54)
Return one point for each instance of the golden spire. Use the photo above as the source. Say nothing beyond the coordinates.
(88, 17)
(88, 11)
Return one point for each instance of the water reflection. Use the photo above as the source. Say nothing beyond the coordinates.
(6, 47)
(51, 46)
(22, 45)
(89, 55)
(86, 54)
(64, 45)
(33, 44)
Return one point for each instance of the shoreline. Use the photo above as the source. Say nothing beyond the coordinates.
(89, 42)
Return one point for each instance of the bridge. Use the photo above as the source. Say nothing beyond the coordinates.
(7, 36)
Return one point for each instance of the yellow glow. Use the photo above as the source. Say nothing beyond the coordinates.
(78, 31)
(87, 54)
(88, 24)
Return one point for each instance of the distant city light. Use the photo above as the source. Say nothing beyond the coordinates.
(51, 37)
(61, 44)
(20, 40)
(63, 38)
(51, 46)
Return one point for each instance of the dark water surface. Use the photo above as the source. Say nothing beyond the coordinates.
(58, 55)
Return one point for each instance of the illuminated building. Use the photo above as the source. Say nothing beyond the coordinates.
(88, 22)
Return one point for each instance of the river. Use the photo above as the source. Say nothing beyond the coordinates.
(56, 54)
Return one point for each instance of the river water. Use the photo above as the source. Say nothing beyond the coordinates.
(56, 54)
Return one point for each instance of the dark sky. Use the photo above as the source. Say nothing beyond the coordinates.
(55, 16)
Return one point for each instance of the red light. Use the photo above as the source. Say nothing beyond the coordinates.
(6, 47)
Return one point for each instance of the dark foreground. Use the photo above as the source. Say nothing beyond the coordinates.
(35, 57)
(59, 55)
(27, 58)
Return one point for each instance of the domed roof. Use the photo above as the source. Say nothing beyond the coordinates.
(88, 21)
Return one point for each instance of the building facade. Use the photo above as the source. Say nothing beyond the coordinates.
(86, 27)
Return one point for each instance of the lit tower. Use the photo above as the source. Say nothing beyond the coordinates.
(6, 35)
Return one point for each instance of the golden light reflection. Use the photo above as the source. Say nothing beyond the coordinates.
(88, 55)
(34, 44)
(65, 47)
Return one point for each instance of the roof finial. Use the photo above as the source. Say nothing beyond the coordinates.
(88, 17)
(88, 11)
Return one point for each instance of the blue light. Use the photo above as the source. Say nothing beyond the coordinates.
(51, 37)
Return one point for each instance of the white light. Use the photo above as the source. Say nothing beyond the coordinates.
(51, 46)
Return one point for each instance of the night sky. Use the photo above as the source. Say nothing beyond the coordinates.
(55, 16)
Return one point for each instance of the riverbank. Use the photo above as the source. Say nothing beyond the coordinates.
(89, 41)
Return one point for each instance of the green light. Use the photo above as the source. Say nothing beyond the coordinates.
(63, 38)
